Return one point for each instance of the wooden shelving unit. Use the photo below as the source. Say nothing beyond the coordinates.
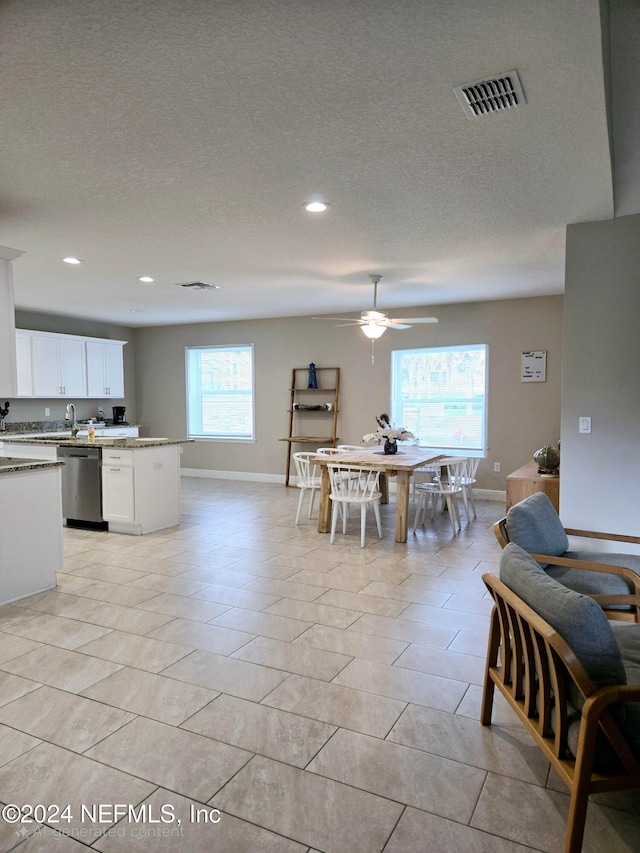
(302, 420)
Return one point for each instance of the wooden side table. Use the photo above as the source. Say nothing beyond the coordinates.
(526, 481)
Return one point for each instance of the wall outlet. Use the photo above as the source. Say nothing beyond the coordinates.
(47, 411)
(584, 425)
(496, 467)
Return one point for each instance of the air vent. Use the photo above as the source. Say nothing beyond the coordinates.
(493, 95)
(199, 285)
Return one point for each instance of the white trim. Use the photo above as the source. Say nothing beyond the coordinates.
(251, 476)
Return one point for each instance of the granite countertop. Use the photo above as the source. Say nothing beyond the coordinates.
(83, 441)
(54, 427)
(9, 465)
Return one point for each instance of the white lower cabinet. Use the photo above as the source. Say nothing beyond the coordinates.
(141, 488)
(118, 494)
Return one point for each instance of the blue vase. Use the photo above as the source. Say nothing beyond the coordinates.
(390, 447)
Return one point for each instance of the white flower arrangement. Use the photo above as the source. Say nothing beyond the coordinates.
(387, 432)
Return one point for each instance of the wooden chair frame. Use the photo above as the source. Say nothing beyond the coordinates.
(530, 664)
(605, 601)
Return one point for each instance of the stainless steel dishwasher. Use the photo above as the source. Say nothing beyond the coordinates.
(81, 485)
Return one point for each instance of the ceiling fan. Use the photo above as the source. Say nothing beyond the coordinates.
(374, 323)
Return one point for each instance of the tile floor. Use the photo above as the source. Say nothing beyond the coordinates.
(322, 698)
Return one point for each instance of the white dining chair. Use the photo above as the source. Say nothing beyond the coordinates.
(432, 470)
(307, 479)
(468, 481)
(346, 448)
(448, 489)
(352, 487)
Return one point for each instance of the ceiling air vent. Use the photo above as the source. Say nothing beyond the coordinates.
(493, 95)
(199, 285)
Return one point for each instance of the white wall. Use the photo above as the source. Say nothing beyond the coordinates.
(522, 416)
(600, 472)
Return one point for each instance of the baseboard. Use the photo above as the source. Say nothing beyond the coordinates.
(247, 476)
(253, 477)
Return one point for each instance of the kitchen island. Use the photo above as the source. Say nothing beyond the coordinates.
(138, 482)
(31, 549)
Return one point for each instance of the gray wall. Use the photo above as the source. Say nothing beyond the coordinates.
(33, 410)
(600, 485)
(522, 416)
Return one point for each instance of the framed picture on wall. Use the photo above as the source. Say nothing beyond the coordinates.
(533, 366)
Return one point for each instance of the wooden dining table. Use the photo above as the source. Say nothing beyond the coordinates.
(401, 465)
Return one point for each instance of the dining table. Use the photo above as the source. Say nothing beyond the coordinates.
(401, 465)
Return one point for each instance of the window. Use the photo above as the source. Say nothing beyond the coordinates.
(220, 392)
(440, 393)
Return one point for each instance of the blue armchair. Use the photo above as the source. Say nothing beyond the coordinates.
(610, 578)
(571, 676)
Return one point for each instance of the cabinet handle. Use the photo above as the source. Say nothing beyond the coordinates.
(116, 457)
(114, 469)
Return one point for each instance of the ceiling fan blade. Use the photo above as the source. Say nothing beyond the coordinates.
(414, 320)
(391, 324)
(347, 321)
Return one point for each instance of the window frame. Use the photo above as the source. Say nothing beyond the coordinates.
(397, 407)
(230, 437)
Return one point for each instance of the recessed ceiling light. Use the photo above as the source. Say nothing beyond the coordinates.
(71, 260)
(145, 278)
(316, 206)
(135, 310)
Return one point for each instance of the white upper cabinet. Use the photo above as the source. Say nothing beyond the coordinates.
(105, 369)
(23, 364)
(53, 365)
(58, 367)
(8, 385)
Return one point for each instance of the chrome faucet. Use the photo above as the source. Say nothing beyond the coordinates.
(74, 424)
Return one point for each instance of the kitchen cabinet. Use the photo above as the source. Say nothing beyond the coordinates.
(105, 369)
(24, 364)
(55, 365)
(30, 530)
(7, 323)
(118, 493)
(141, 488)
(58, 366)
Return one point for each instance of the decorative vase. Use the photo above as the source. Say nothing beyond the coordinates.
(547, 459)
(390, 446)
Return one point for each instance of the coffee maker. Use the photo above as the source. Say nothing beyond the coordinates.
(118, 414)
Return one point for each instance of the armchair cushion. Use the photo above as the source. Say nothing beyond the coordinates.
(592, 583)
(578, 619)
(535, 526)
(628, 638)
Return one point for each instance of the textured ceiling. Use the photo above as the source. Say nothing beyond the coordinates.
(181, 139)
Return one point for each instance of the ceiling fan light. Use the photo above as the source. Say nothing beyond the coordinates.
(316, 206)
(373, 330)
